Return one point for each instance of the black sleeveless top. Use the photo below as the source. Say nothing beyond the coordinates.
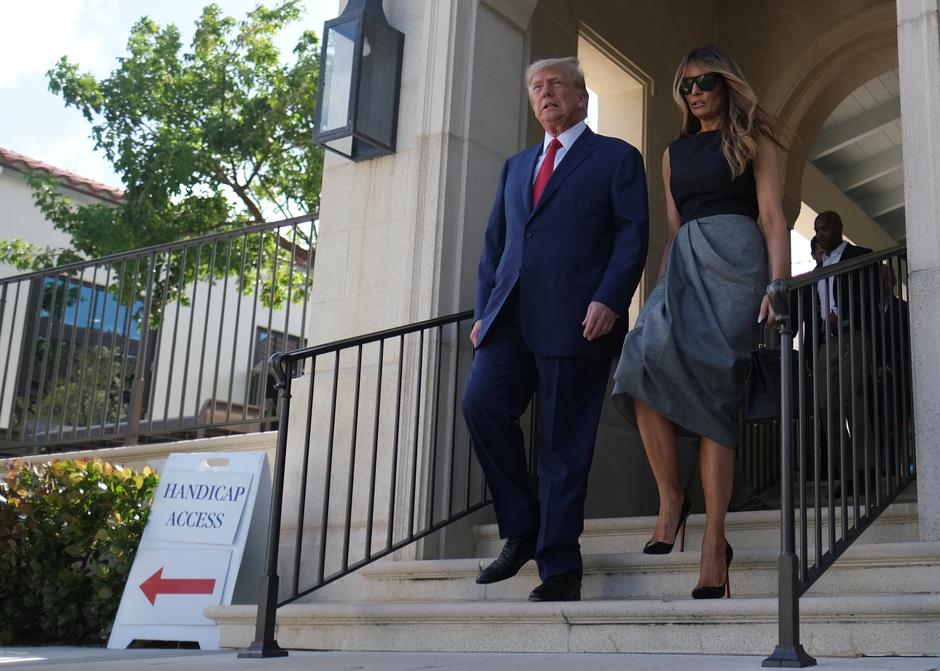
(700, 179)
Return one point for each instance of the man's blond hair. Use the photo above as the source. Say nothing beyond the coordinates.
(569, 65)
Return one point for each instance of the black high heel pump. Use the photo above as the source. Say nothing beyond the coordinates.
(709, 592)
(661, 548)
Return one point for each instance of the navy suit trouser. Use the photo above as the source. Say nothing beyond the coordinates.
(504, 375)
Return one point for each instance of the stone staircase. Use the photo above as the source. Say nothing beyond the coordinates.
(881, 598)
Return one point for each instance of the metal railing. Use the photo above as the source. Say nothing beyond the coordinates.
(381, 457)
(379, 460)
(162, 343)
(757, 455)
(846, 429)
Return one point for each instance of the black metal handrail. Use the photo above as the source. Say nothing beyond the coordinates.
(756, 456)
(418, 474)
(176, 245)
(167, 342)
(433, 358)
(853, 459)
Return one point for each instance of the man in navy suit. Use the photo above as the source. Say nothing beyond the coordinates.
(563, 252)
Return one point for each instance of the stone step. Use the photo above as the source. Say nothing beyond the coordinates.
(852, 625)
(758, 529)
(881, 568)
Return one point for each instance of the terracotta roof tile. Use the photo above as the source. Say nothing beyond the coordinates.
(90, 187)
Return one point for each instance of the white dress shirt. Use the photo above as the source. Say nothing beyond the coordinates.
(566, 138)
(824, 287)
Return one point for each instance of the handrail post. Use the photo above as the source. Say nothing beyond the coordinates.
(265, 645)
(789, 652)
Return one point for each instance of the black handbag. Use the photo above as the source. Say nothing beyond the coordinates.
(762, 386)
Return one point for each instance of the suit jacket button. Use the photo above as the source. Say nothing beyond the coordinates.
(528, 235)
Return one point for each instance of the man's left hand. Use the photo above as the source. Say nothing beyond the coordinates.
(598, 321)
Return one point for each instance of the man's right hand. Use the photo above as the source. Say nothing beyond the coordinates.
(475, 332)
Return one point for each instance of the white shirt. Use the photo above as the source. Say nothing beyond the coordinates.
(827, 299)
(566, 138)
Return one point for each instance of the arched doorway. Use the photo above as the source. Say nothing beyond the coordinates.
(839, 99)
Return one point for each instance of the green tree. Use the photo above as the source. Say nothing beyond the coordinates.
(205, 138)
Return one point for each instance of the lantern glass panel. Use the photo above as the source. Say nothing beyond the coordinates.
(337, 76)
(343, 145)
(378, 83)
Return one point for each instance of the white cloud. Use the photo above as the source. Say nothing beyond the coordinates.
(36, 33)
(74, 153)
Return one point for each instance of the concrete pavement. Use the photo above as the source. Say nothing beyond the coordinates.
(88, 659)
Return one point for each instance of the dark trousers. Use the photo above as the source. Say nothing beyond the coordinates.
(840, 383)
(504, 375)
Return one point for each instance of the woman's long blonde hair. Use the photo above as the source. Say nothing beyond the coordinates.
(744, 122)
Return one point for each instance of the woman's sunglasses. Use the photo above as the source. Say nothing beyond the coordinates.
(706, 82)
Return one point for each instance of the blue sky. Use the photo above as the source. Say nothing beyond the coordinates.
(34, 34)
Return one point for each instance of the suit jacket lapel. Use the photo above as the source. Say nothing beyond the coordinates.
(853, 251)
(579, 151)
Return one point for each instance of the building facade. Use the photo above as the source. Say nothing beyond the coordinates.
(401, 235)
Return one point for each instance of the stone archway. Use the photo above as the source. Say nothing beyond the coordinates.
(839, 60)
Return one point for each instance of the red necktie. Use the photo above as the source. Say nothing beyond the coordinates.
(545, 170)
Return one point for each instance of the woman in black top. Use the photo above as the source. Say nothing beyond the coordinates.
(683, 365)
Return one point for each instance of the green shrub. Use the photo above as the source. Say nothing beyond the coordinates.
(68, 534)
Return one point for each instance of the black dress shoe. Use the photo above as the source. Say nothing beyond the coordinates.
(563, 587)
(516, 552)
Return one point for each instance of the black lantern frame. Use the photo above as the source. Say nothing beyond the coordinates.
(368, 92)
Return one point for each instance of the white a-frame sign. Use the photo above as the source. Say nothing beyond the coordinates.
(195, 551)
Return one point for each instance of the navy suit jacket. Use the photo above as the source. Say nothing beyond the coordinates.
(586, 240)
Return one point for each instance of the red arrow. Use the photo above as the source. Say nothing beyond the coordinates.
(157, 584)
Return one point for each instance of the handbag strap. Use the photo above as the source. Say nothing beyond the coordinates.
(761, 335)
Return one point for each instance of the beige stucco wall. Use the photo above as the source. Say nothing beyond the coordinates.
(21, 219)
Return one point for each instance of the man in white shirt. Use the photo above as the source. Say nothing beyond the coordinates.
(840, 378)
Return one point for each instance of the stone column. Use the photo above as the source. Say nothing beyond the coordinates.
(398, 243)
(393, 246)
(919, 57)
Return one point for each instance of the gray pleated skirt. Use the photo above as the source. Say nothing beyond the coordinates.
(688, 353)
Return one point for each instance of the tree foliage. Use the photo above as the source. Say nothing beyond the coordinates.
(204, 138)
(26, 256)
